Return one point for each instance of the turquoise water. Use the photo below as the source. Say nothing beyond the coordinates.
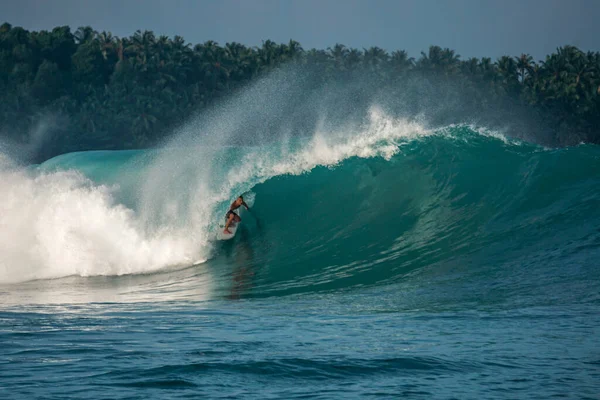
(400, 262)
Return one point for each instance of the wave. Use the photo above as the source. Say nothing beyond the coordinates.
(463, 204)
(356, 207)
(114, 213)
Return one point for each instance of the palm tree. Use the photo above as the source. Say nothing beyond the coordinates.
(5, 28)
(439, 60)
(524, 65)
(487, 69)
(375, 57)
(239, 61)
(268, 54)
(338, 54)
(141, 46)
(85, 34)
(470, 67)
(353, 59)
(400, 62)
(293, 50)
(211, 57)
(507, 70)
(107, 43)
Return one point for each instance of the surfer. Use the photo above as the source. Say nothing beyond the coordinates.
(231, 215)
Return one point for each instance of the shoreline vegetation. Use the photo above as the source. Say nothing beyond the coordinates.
(95, 91)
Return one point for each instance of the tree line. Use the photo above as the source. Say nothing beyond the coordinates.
(124, 93)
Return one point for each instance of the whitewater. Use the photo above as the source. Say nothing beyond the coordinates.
(384, 256)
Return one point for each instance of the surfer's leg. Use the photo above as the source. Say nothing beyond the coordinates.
(229, 219)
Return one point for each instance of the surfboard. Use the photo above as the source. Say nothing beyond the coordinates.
(232, 228)
(226, 236)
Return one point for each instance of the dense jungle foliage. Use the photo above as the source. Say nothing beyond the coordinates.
(105, 92)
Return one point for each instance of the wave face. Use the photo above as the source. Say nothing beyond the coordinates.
(455, 205)
(374, 206)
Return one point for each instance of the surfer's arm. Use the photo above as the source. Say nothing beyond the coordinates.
(245, 205)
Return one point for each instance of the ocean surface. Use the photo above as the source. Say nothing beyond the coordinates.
(389, 261)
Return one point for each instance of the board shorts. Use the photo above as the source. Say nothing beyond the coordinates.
(229, 213)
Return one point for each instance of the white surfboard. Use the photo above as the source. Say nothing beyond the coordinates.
(226, 236)
(232, 228)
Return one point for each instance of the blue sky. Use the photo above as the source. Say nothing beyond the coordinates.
(471, 27)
